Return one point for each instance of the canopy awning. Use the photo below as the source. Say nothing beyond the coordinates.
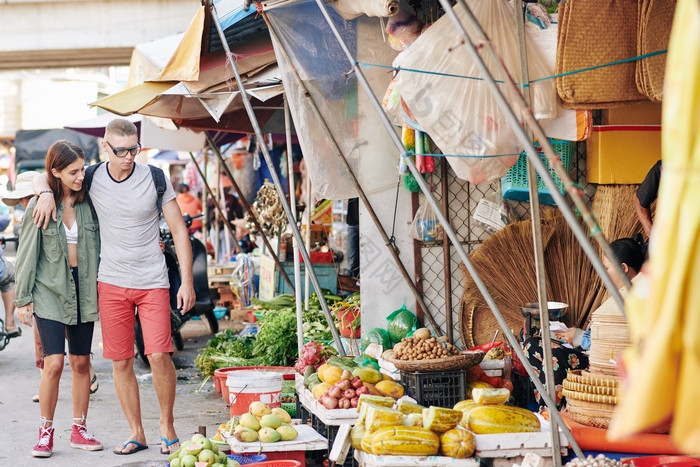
(153, 133)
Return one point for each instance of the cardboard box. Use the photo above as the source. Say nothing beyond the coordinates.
(643, 113)
(618, 154)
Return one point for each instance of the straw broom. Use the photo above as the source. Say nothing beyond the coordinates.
(506, 264)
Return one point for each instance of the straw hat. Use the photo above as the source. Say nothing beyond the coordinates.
(23, 188)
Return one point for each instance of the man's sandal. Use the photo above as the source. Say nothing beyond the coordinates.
(139, 447)
(166, 450)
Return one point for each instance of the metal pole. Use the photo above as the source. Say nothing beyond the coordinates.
(211, 193)
(293, 204)
(532, 155)
(278, 185)
(446, 253)
(251, 214)
(537, 244)
(309, 203)
(217, 219)
(361, 193)
(515, 345)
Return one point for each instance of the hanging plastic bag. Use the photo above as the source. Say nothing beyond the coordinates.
(426, 227)
(458, 111)
(402, 323)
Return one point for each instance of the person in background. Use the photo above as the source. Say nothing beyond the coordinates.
(191, 205)
(22, 194)
(7, 285)
(233, 209)
(631, 253)
(58, 298)
(646, 194)
(353, 221)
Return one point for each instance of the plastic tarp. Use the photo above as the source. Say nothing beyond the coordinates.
(323, 68)
(33, 144)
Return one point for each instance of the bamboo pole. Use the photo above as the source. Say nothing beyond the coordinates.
(293, 204)
(537, 245)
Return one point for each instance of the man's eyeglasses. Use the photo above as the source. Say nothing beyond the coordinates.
(122, 152)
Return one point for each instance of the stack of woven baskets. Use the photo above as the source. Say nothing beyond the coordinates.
(591, 397)
(610, 336)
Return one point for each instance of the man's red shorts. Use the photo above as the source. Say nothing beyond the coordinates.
(117, 315)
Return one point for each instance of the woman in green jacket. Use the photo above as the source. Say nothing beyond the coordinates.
(57, 295)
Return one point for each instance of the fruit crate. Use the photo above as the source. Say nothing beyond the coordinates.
(442, 389)
(327, 431)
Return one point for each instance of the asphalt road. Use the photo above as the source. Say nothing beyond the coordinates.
(196, 405)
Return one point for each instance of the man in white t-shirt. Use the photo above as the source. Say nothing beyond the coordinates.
(132, 273)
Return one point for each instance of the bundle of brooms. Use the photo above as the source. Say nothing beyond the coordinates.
(505, 262)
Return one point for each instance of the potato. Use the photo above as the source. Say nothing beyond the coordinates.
(422, 333)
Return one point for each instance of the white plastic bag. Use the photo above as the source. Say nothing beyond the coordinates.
(426, 227)
(459, 114)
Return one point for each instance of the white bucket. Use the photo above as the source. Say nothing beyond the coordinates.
(248, 386)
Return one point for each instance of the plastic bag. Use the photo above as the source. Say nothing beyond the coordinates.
(403, 29)
(493, 212)
(459, 114)
(376, 336)
(402, 323)
(426, 227)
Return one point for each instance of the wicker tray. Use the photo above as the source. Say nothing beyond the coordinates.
(590, 413)
(584, 396)
(586, 388)
(466, 359)
(592, 379)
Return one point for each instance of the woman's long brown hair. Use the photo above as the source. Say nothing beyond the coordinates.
(61, 154)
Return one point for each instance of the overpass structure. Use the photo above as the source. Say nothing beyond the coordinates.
(84, 33)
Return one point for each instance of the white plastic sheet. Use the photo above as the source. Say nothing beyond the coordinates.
(460, 114)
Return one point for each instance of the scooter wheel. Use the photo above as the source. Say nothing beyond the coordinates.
(178, 341)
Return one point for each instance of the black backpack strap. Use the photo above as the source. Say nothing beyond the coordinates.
(87, 182)
(160, 183)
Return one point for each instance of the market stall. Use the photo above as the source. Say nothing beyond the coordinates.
(408, 395)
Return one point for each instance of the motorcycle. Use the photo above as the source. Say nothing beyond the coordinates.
(203, 306)
(4, 337)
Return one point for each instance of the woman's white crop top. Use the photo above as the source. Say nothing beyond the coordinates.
(72, 233)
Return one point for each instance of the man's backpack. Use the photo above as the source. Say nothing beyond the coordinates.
(156, 173)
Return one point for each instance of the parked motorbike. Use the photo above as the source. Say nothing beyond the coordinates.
(4, 337)
(203, 306)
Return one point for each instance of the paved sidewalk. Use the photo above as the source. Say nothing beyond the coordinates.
(19, 416)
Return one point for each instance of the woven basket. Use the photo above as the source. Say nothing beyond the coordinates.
(592, 379)
(590, 413)
(467, 359)
(586, 32)
(584, 396)
(655, 19)
(585, 388)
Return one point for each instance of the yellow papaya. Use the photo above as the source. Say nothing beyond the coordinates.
(320, 371)
(440, 419)
(331, 375)
(319, 390)
(367, 375)
(390, 389)
(457, 443)
(490, 396)
(488, 419)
